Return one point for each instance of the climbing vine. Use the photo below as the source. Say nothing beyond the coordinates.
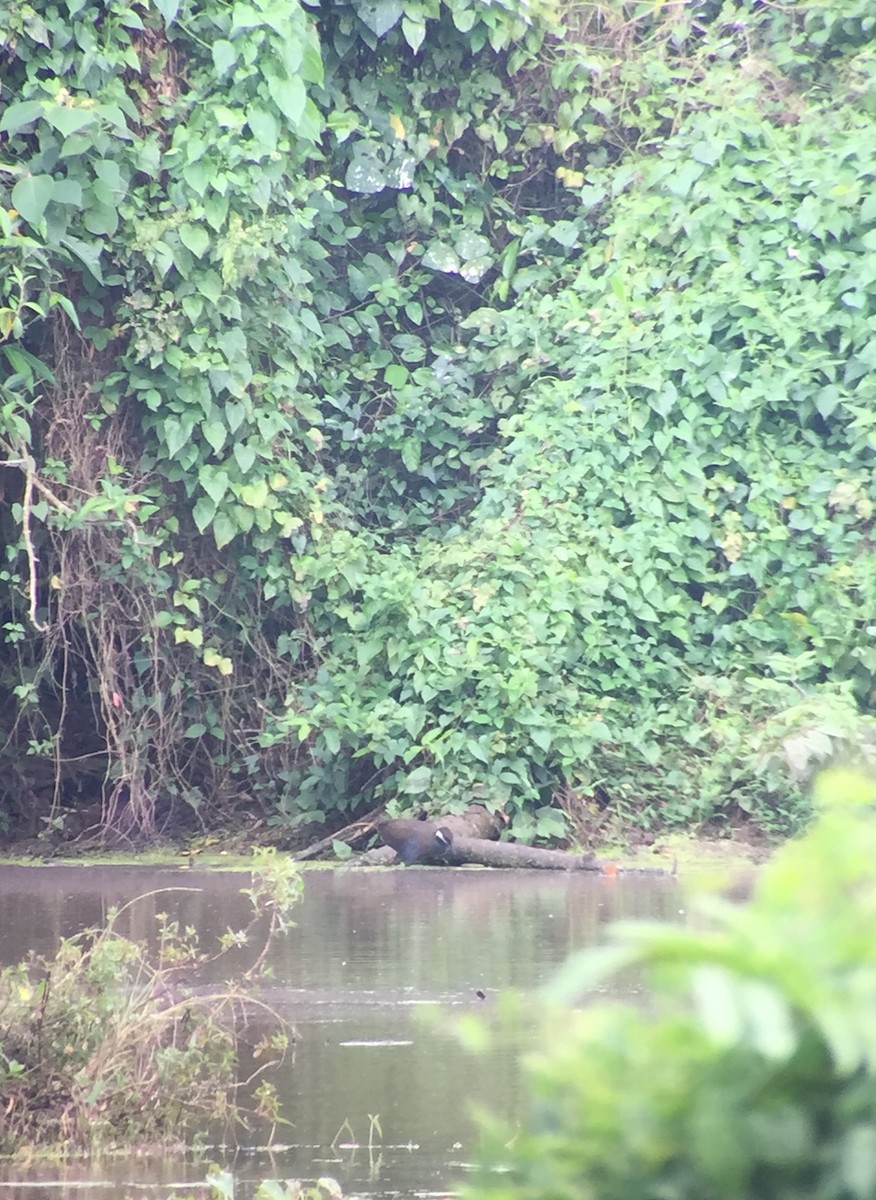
(433, 400)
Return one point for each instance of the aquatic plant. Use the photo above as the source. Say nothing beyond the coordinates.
(110, 1043)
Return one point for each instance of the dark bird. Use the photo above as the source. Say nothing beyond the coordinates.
(414, 841)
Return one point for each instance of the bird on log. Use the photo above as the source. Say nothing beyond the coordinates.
(415, 841)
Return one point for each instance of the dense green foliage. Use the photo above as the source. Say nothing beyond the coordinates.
(436, 400)
(754, 1072)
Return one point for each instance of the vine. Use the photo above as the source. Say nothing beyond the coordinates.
(420, 400)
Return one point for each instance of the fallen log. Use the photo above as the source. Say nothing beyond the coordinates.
(468, 851)
(474, 844)
(476, 821)
(515, 855)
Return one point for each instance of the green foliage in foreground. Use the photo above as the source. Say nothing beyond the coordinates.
(108, 1046)
(753, 1072)
(433, 400)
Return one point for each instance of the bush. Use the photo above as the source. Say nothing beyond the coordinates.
(107, 1044)
(753, 1073)
(405, 399)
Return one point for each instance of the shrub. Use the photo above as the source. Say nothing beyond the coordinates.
(754, 1071)
(107, 1044)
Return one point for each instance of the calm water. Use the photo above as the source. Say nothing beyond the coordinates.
(371, 950)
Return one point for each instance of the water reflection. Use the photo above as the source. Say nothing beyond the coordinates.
(370, 949)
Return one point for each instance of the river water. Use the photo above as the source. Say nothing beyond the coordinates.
(371, 950)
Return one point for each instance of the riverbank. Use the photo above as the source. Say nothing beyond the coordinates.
(691, 855)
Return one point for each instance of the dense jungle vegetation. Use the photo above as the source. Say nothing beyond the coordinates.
(419, 401)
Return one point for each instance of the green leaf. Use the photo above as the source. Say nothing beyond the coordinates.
(807, 215)
(195, 238)
(441, 257)
(289, 95)
(858, 1161)
(162, 258)
(542, 738)
(396, 375)
(115, 116)
(109, 172)
(828, 399)
(16, 116)
(101, 220)
(234, 415)
(87, 252)
(311, 125)
(683, 178)
(168, 10)
(209, 284)
(244, 456)
(224, 56)
(381, 15)
(222, 1183)
(224, 529)
(244, 16)
(195, 730)
(474, 245)
(254, 495)
(192, 306)
(69, 120)
(716, 388)
(708, 151)
(214, 481)
(617, 287)
(214, 433)
(31, 195)
(566, 233)
(411, 452)
(418, 781)
(414, 32)
(65, 303)
(770, 1019)
(215, 210)
(176, 435)
(312, 69)
(203, 512)
(476, 750)
(366, 173)
(474, 269)
(550, 823)
(68, 191)
(28, 364)
(199, 175)
(310, 321)
(463, 19)
(244, 518)
(264, 127)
